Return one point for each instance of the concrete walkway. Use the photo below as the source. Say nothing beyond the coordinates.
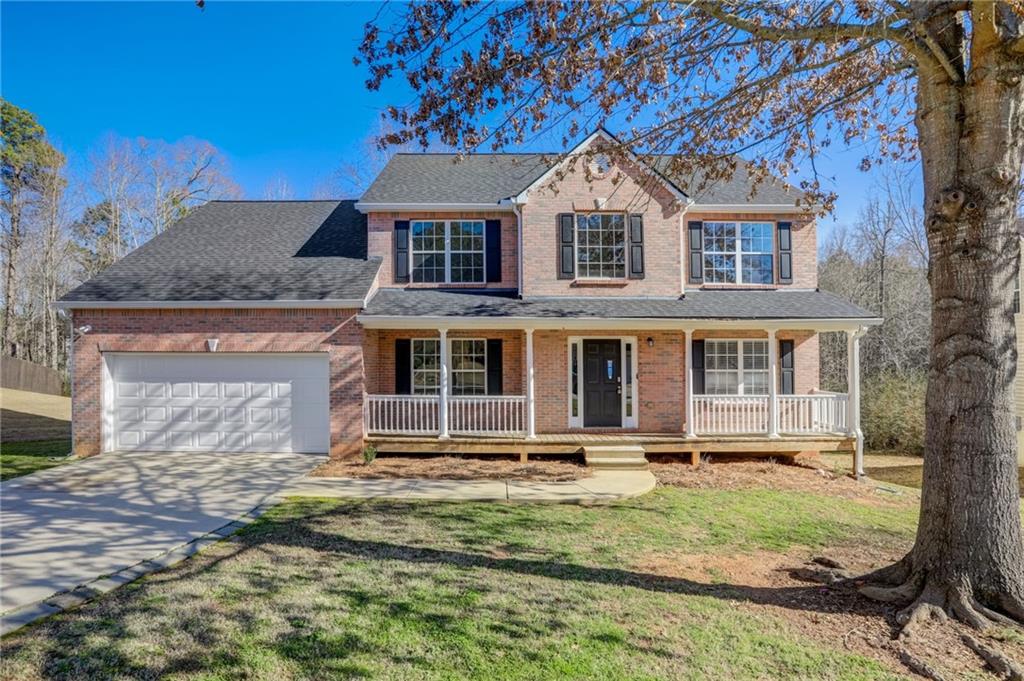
(602, 486)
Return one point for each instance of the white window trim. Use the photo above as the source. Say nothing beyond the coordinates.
(634, 386)
(576, 245)
(451, 383)
(740, 386)
(738, 251)
(447, 252)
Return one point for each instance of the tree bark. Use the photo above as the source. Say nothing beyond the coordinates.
(968, 558)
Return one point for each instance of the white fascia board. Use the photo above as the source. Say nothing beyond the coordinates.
(431, 207)
(340, 303)
(577, 150)
(775, 208)
(609, 324)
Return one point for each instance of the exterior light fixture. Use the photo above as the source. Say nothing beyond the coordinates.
(211, 344)
(650, 342)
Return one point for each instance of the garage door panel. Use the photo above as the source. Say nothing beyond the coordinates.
(259, 402)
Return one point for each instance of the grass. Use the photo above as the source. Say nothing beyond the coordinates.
(398, 590)
(910, 476)
(22, 458)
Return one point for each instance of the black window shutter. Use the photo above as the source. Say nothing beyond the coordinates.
(401, 260)
(788, 376)
(566, 251)
(698, 367)
(636, 246)
(696, 233)
(494, 367)
(785, 230)
(403, 366)
(493, 238)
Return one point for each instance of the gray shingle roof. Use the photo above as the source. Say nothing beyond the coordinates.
(489, 178)
(447, 178)
(725, 304)
(247, 251)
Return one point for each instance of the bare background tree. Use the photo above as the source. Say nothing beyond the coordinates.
(779, 82)
(60, 228)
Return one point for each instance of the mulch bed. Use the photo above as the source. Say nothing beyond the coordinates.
(804, 474)
(455, 468)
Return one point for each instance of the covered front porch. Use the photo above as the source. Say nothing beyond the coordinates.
(667, 390)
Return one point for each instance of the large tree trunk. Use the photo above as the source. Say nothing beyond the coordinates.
(12, 246)
(968, 559)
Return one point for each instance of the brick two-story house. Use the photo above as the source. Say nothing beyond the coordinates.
(495, 302)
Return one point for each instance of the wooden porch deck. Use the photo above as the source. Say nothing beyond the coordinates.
(653, 443)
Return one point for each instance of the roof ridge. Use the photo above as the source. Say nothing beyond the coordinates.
(278, 200)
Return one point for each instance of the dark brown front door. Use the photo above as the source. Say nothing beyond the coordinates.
(602, 383)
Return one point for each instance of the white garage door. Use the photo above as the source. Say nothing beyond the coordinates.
(209, 402)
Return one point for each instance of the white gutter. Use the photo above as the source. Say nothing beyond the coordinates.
(773, 208)
(431, 207)
(608, 323)
(339, 303)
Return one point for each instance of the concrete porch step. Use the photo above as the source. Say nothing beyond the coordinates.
(617, 457)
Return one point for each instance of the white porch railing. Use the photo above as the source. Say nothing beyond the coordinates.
(815, 413)
(718, 414)
(401, 414)
(749, 414)
(487, 415)
(467, 415)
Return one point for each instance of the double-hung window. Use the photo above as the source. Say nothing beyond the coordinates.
(601, 245)
(738, 253)
(734, 367)
(447, 251)
(468, 366)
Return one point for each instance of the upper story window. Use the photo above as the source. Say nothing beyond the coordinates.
(733, 367)
(601, 246)
(738, 252)
(447, 251)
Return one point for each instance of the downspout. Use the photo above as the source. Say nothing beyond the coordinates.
(518, 210)
(71, 370)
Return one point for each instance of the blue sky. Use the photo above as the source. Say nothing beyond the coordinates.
(270, 84)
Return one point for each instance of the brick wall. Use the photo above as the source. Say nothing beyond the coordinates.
(380, 363)
(380, 242)
(332, 331)
(805, 246)
(625, 189)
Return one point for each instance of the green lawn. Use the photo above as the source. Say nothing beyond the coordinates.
(22, 458)
(410, 590)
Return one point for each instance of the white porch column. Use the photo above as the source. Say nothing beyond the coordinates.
(773, 385)
(690, 416)
(853, 398)
(442, 405)
(531, 403)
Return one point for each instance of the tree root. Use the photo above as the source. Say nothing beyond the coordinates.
(919, 666)
(999, 662)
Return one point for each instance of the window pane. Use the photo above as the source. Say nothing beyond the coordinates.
(575, 382)
(757, 269)
(428, 256)
(469, 366)
(756, 237)
(601, 244)
(426, 363)
(719, 269)
(467, 251)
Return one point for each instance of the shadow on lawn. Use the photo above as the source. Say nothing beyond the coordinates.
(88, 642)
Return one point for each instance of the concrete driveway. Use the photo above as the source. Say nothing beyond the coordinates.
(69, 525)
